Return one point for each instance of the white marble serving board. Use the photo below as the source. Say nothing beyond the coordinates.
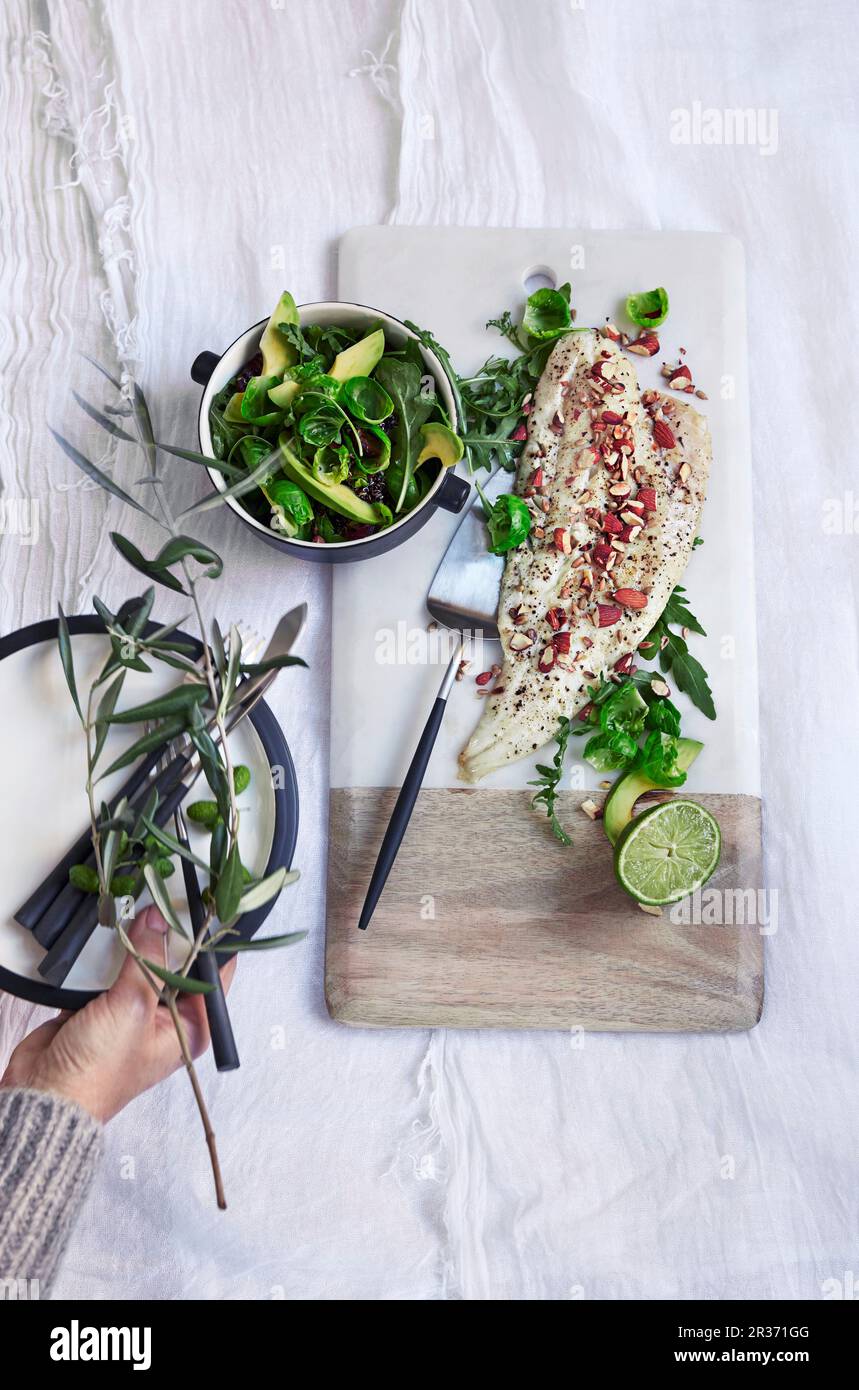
(451, 280)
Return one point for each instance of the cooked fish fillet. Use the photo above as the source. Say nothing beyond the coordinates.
(615, 481)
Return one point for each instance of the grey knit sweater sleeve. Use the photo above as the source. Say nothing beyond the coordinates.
(49, 1150)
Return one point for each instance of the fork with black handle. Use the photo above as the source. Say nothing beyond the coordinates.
(55, 901)
(31, 913)
(70, 935)
(55, 887)
(74, 934)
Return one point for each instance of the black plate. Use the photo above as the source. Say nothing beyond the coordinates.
(274, 743)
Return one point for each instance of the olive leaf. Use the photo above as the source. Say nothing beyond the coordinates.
(184, 547)
(233, 664)
(150, 806)
(267, 888)
(228, 891)
(101, 368)
(246, 483)
(213, 768)
(64, 642)
(176, 701)
(218, 848)
(144, 425)
(180, 982)
(229, 470)
(111, 844)
(133, 615)
(150, 568)
(218, 650)
(93, 472)
(138, 408)
(104, 421)
(172, 845)
(272, 663)
(259, 943)
(161, 898)
(106, 706)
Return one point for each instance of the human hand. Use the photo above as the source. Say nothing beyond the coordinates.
(118, 1045)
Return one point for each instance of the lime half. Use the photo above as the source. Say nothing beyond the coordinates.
(667, 852)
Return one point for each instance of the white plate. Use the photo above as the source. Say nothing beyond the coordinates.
(43, 762)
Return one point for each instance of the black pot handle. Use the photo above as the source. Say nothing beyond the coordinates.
(454, 493)
(203, 366)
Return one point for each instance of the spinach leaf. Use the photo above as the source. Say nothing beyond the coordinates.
(412, 407)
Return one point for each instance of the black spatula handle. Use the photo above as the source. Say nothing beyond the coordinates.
(402, 812)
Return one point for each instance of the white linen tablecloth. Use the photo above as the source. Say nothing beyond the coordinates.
(168, 170)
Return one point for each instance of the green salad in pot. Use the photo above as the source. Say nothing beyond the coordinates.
(354, 437)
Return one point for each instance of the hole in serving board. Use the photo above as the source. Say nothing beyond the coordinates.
(539, 277)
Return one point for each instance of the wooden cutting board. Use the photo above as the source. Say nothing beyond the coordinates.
(486, 921)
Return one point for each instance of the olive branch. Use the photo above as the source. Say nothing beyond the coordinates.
(132, 852)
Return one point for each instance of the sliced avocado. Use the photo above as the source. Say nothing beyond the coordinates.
(337, 496)
(360, 359)
(284, 394)
(233, 412)
(277, 353)
(620, 802)
(440, 443)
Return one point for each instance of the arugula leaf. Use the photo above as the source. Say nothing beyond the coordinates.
(489, 404)
(687, 672)
(677, 611)
(549, 777)
(674, 654)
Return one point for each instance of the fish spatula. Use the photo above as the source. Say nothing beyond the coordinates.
(464, 592)
(464, 597)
